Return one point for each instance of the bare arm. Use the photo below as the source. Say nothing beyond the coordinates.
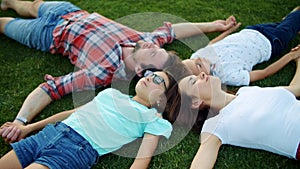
(185, 30)
(35, 102)
(22, 131)
(294, 86)
(275, 67)
(50, 120)
(207, 152)
(225, 33)
(145, 152)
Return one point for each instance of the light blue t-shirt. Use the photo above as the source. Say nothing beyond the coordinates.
(112, 119)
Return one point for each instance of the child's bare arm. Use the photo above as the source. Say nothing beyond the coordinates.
(145, 152)
(227, 32)
(256, 75)
(294, 86)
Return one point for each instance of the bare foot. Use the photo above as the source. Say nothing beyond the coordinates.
(4, 5)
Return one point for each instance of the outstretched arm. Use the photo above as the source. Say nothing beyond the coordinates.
(294, 86)
(145, 152)
(256, 75)
(185, 30)
(228, 31)
(22, 131)
(207, 152)
(33, 104)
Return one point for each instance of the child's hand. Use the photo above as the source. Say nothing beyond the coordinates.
(12, 132)
(295, 53)
(295, 48)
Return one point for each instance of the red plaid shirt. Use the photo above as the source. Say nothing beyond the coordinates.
(93, 44)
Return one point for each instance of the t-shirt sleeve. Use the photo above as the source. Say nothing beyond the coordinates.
(164, 34)
(214, 126)
(237, 78)
(159, 127)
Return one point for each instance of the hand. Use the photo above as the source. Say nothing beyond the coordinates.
(12, 132)
(224, 25)
(295, 53)
(233, 28)
(295, 48)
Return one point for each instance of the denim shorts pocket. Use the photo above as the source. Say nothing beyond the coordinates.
(87, 156)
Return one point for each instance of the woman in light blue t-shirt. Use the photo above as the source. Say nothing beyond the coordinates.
(76, 138)
(255, 117)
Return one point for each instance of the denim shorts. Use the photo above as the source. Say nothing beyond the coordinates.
(37, 33)
(280, 34)
(56, 146)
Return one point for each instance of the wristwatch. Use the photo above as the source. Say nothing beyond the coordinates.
(22, 119)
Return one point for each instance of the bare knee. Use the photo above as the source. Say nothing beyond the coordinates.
(37, 166)
(10, 160)
(3, 22)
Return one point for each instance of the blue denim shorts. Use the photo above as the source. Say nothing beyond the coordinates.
(280, 34)
(58, 147)
(37, 33)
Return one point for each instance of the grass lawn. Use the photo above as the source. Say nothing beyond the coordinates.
(22, 69)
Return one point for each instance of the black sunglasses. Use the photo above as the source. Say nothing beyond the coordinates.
(156, 79)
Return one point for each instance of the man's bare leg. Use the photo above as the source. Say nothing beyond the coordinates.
(23, 8)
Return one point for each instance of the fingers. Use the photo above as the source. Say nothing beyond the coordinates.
(231, 20)
(231, 23)
(233, 28)
(13, 135)
(7, 124)
(296, 48)
(236, 26)
(10, 132)
(295, 53)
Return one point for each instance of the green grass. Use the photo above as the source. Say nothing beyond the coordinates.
(22, 69)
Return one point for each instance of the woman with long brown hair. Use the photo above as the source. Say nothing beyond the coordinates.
(255, 117)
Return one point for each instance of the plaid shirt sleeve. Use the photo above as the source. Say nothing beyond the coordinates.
(56, 87)
(164, 34)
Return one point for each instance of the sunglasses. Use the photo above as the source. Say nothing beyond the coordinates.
(156, 79)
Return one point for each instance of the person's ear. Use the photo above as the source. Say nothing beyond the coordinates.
(196, 103)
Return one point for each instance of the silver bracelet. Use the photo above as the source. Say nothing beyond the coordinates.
(22, 119)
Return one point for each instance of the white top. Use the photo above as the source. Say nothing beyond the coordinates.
(259, 118)
(112, 119)
(233, 57)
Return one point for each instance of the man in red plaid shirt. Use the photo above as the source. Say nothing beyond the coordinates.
(101, 48)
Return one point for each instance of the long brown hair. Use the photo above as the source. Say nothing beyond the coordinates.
(192, 117)
(179, 107)
(174, 99)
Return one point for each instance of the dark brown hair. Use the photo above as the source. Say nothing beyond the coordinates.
(189, 117)
(177, 107)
